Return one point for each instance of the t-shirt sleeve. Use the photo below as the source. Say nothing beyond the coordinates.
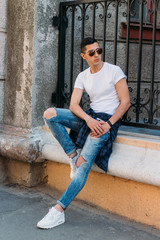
(79, 82)
(119, 74)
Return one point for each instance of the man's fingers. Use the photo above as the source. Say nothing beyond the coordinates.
(98, 130)
(92, 134)
(96, 127)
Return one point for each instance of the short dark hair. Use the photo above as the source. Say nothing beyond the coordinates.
(87, 41)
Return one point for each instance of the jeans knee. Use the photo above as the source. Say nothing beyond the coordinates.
(50, 113)
(80, 160)
(83, 169)
(82, 172)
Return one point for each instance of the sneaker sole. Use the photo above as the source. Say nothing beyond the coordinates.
(51, 226)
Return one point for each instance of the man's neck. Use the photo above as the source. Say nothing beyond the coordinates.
(95, 69)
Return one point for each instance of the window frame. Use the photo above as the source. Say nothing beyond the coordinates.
(147, 26)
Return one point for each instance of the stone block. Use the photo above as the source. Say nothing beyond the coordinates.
(2, 171)
(2, 55)
(1, 100)
(20, 151)
(3, 15)
(24, 145)
(24, 173)
(19, 64)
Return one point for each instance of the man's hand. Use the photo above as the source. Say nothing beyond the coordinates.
(104, 126)
(95, 126)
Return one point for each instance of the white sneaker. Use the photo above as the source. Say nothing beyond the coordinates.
(52, 219)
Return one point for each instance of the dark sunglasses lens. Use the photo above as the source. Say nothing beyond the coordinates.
(91, 53)
(99, 51)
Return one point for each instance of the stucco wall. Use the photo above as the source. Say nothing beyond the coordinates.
(45, 58)
(3, 33)
(32, 53)
(18, 90)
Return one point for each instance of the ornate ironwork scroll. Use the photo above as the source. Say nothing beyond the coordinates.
(103, 20)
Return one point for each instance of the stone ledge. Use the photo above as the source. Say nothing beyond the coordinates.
(139, 140)
(20, 155)
(135, 163)
(22, 144)
(138, 163)
(135, 156)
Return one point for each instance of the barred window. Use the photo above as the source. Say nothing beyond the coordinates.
(147, 11)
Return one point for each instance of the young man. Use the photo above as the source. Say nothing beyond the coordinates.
(97, 128)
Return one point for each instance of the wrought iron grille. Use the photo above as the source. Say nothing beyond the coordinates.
(112, 23)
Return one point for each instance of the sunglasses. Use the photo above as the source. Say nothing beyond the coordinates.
(92, 52)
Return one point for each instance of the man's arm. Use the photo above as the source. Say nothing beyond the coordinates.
(74, 103)
(123, 94)
(93, 124)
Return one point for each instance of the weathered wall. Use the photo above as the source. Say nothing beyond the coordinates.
(18, 90)
(32, 53)
(45, 58)
(3, 33)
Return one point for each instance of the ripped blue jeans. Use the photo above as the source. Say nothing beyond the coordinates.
(57, 125)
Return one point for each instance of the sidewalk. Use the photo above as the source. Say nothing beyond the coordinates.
(22, 208)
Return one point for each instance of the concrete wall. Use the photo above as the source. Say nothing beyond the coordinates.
(31, 62)
(18, 90)
(32, 54)
(3, 33)
(45, 58)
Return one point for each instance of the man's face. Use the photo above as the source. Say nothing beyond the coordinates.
(94, 60)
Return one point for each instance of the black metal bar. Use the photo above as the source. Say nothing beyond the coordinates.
(127, 40)
(153, 63)
(61, 60)
(139, 63)
(104, 29)
(115, 34)
(127, 48)
(72, 50)
(82, 1)
(82, 32)
(93, 20)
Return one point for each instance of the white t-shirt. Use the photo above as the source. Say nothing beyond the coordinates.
(100, 87)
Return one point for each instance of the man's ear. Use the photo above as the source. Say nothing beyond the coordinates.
(83, 56)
